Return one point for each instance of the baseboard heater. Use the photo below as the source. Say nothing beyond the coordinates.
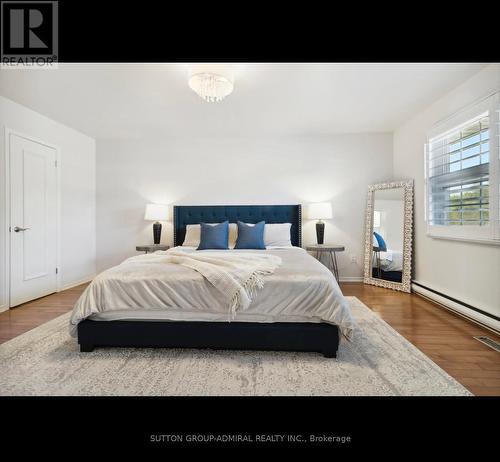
(489, 342)
(474, 314)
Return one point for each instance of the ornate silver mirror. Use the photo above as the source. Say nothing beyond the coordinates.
(388, 235)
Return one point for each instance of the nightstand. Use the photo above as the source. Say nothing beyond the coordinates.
(331, 249)
(151, 248)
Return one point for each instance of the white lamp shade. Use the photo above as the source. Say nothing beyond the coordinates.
(156, 212)
(319, 211)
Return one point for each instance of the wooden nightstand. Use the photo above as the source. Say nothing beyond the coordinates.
(151, 248)
(332, 249)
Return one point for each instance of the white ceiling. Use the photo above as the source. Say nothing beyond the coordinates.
(138, 100)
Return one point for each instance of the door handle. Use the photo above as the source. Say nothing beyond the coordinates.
(17, 229)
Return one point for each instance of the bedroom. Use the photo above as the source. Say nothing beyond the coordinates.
(290, 239)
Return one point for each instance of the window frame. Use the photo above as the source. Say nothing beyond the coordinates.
(489, 233)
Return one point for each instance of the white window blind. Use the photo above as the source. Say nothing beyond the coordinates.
(459, 175)
(462, 181)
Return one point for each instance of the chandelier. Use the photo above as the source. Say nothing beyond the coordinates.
(211, 82)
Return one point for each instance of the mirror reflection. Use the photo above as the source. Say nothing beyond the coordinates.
(388, 234)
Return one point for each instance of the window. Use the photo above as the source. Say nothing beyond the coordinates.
(458, 178)
(462, 186)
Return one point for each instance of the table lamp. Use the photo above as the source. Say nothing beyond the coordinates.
(320, 211)
(156, 212)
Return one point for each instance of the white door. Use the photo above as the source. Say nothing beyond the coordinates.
(33, 216)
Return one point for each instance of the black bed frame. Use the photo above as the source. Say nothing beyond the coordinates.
(279, 336)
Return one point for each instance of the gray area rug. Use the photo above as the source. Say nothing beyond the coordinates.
(46, 361)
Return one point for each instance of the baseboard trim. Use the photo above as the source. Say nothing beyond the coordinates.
(457, 307)
(76, 283)
(352, 279)
(6, 307)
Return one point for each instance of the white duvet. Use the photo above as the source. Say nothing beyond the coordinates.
(392, 260)
(146, 288)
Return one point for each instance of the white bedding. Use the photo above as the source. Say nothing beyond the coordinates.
(392, 260)
(141, 288)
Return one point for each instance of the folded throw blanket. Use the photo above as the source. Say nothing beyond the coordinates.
(237, 276)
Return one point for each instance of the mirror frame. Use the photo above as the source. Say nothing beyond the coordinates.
(405, 284)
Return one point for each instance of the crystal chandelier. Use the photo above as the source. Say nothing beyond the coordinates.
(212, 83)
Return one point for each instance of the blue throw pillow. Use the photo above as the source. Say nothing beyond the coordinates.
(381, 243)
(250, 236)
(214, 236)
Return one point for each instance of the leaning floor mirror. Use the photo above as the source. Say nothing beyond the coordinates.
(389, 234)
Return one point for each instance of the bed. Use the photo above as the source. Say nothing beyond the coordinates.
(387, 265)
(146, 303)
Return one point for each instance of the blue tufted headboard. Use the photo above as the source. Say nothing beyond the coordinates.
(194, 214)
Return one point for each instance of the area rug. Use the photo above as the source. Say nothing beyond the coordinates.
(379, 361)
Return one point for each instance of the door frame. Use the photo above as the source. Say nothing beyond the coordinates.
(7, 133)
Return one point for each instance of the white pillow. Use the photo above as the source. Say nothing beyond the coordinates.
(277, 235)
(193, 235)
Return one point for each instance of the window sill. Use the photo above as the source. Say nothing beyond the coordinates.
(494, 242)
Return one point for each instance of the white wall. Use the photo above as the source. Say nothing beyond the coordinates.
(237, 171)
(77, 186)
(466, 271)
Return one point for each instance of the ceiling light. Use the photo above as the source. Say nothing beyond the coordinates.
(212, 82)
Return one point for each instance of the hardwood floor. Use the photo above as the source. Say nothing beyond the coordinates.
(25, 317)
(444, 337)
